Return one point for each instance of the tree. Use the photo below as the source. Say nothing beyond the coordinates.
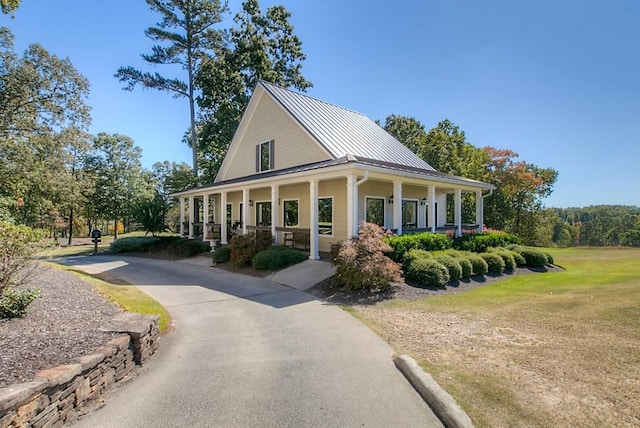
(119, 180)
(520, 188)
(186, 29)
(152, 214)
(260, 46)
(9, 6)
(168, 178)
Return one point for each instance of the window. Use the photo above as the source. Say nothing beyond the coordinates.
(264, 156)
(325, 216)
(409, 214)
(229, 215)
(290, 217)
(263, 213)
(374, 211)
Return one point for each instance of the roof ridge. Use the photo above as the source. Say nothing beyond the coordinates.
(267, 84)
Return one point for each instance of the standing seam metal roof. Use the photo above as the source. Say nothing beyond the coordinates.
(344, 132)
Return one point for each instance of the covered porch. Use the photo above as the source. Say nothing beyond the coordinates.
(312, 210)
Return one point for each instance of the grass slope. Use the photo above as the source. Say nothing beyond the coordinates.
(553, 349)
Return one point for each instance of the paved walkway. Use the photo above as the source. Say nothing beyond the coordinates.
(248, 352)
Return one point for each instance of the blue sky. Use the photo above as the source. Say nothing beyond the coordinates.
(556, 81)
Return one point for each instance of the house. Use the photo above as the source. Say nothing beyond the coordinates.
(299, 164)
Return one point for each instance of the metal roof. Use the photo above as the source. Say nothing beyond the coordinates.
(344, 132)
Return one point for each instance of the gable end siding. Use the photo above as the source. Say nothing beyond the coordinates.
(270, 122)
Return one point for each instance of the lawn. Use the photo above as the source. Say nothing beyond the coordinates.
(539, 350)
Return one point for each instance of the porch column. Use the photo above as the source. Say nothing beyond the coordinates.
(313, 220)
(205, 217)
(479, 210)
(458, 212)
(352, 206)
(181, 216)
(397, 206)
(192, 215)
(223, 218)
(275, 209)
(245, 210)
(432, 208)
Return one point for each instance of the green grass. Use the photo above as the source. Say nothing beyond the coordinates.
(567, 334)
(128, 297)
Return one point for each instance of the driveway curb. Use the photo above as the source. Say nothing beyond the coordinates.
(443, 405)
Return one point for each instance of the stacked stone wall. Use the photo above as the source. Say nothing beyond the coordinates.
(56, 395)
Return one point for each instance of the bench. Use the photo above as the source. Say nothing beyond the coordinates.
(295, 237)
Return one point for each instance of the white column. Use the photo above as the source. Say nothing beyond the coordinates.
(275, 210)
(479, 210)
(245, 210)
(352, 206)
(432, 208)
(192, 215)
(313, 220)
(205, 217)
(223, 218)
(181, 216)
(458, 212)
(397, 206)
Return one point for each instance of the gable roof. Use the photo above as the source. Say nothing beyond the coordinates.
(343, 132)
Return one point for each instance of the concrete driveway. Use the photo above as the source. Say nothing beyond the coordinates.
(247, 352)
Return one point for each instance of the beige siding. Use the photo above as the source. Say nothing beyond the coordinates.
(292, 146)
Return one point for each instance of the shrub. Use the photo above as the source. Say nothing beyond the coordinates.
(361, 263)
(550, 260)
(17, 246)
(507, 257)
(222, 254)
(263, 240)
(495, 264)
(480, 267)
(479, 242)
(422, 241)
(14, 302)
(412, 255)
(533, 257)
(427, 273)
(134, 244)
(182, 247)
(277, 258)
(467, 267)
(452, 265)
(242, 250)
(517, 257)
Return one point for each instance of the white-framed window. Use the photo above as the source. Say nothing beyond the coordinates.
(290, 212)
(265, 156)
(409, 213)
(325, 216)
(374, 210)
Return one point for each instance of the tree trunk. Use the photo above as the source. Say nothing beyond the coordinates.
(70, 226)
(115, 229)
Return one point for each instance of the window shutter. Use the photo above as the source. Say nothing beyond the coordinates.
(272, 155)
(258, 158)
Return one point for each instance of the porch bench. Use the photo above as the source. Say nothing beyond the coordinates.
(295, 237)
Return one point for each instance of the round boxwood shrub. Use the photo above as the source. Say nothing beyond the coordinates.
(495, 264)
(507, 258)
(533, 257)
(549, 258)
(414, 254)
(517, 257)
(452, 265)
(222, 255)
(427, 273)
(276, 258)
(480, 267)
(467, 267)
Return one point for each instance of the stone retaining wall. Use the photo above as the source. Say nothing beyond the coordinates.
(55, 395)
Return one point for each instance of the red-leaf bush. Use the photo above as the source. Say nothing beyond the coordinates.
(361, 263)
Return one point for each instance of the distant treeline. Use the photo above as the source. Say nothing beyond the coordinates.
(598, 225)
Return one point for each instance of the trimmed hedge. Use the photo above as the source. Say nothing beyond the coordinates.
(520, 261)
(452, 265)
(507, 257)
(533, 257)
(222, 255)
(134, 244)
(175, 246)
(187, 247)
(421, 241)
(479, 242)
(277, 258)
(480, 267)
(495, 264)
(427, 273)
(412, 255)
(467, 267)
